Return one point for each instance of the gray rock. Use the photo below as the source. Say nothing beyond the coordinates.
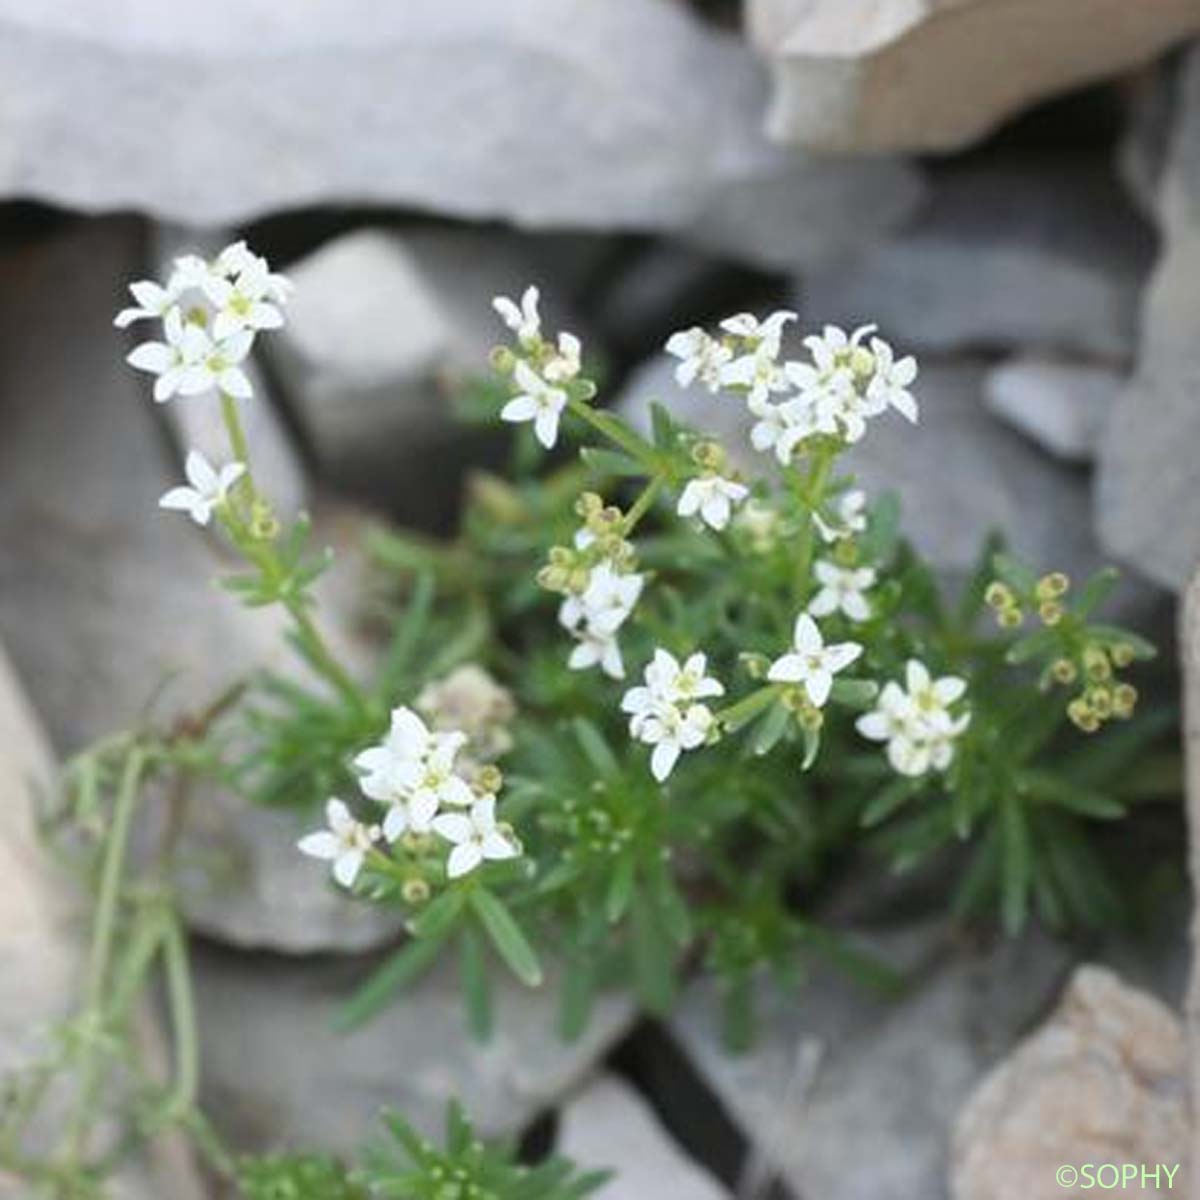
(609, 1125)
(1062, 406)
(631, 114)
(1036, 253)
(278, 469)
(1148, 493)
(1142, 149)
(939, 74)
(277, 1074)
(107, 603)
(839, 1069)
(1103, 1081)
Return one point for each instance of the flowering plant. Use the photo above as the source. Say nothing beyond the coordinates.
(665, 701)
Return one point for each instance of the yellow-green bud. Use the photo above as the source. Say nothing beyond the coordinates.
(1063, 670)
(1122, 654)
(1052, 586)
(561, 556)
(1101, 701)
(1081, 715)
(503, 360)
(1050, 611)
(414, 891)
(1011, 617)
(264, 525)
(999, 595)
(1125, 697)
(489, 779)
(1096, 664)
(588, 503)
(553, 579)
(708, 455)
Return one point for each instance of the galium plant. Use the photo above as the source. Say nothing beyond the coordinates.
(629, 723)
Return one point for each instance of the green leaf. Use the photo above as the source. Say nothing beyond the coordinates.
(611, 462)
(475, 983)
(620, 889)
(812, 744)
(890, 800)
(1016, 865)
(404, 967)
(1016, 574)
(1097, 589)
(663, 426)
(1114, 635)
(854, 693)
(770, 729)
(409, 632)
(972, 602)
(653, 956)
(1037, 645)
(597, 751)
(878, 544)
(507, 937)
(578, 993)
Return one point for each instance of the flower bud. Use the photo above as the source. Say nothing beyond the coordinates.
(1010, 618)
(999, 596)
(1064, 670)
(414, 891)
(503, 360)
(1122, 654)
(1051, 612)
(708, 455)
(489, 779)
(1052, 586)
(1125, 699)
(1096, 665)
(1101, 701)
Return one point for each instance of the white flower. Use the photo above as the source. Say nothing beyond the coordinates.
(189, 272)
(220, 367)
(916, 722)
(596, 649)
(701, 357)
(757, 372)
(345, 843)
(840, 406)
(523, 320)
(767, 334)
(565, 364)
(209, 487)
(175, 361)
(664, 713)
(713, 497)
(475, 837)
(890, 383)
(234, 259)
(609, 598)
(243, 303)
(799, 418)
(388, 769)
(811, 662)
(852, 515)
(842, 590)
(538, 402)
(832, 348)
(153, 303)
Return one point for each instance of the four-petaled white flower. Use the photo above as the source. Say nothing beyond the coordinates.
(209, 487)
(890, 383)
(757, 370)
(811, 662)
(916, 722)
(522, 319)
(596, 613)
(175, 361)
(701, 357)
(153, 303)
(474, 836)
(538, 401)
(243, 302)
(220, 366)
(712, 498)
(564, 364)
(345, 843)
(842, 590)
(767, 333)
(665, 713)
(851, 509)
(596, 649)
(833, 347)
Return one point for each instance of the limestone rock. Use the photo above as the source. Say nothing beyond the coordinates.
(921, 75)
(545, 113)
(1027, 253)
(1062, 406)
(610, 1125)
(838, 1067)
(1148, 494)
(107, 603)
(1103, 1081)
(276, 1073)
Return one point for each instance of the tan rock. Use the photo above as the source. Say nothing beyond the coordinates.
(1103, 1081)
(939, 74)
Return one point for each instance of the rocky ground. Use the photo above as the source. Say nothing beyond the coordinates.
(1043, 267)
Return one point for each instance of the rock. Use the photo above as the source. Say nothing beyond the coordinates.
(380, 330)
(42, 950)
(920, 75)
(278, 469)
(610, 1125)
(836, 1062)
(1103, 1081)
(1044, 254)
(478, 110)
(1142, 149)
(107, 603)
(1062, 406)
(276, 1073)
(1148, 490)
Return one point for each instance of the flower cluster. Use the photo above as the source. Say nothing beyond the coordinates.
(848, 379)
(600, 586)
(541, 370)
(414, 774)
(920, 721)
(210, 313)
(666, 712)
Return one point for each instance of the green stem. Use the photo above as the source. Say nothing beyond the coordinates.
(237, 439)
(736, 715)
(182, 1005)
(613, 429)
(642, 504)
(811, 495)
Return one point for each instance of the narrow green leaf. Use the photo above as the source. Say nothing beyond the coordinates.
(406, 966)
(1016, 871)
(507, 937)
(1037, 645)
(653, 956)
(1097, 589)
(620, 890)
(1015, 573)
(611, 462)
(595, 748)
(476, 986)
(770, 729)
(854, 693)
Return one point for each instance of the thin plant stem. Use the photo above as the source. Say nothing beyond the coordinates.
(811, 493)
(182, 1006)
(643, 503)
